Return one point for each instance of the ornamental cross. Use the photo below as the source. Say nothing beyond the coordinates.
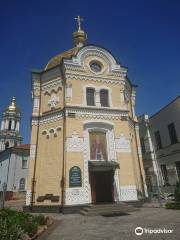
(79, 20)
(53, 101)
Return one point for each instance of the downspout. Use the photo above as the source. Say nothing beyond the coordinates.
(35, 159)
(63, 180)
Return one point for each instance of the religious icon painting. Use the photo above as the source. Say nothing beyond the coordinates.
(98, 146)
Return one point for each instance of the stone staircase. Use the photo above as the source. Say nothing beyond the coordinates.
(109, 209)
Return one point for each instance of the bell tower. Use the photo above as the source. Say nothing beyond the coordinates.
(9, 134)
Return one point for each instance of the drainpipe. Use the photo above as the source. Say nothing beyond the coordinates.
(63, 180)
(35, 159)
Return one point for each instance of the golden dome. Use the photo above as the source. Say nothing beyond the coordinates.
(79, 39)
(58, 58)
(12, 107)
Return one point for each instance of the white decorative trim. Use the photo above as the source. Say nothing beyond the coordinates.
(76, 196)
(50, 85)
(53, 101)
(69, 91)
(123, 144)
(111, 145)
(74, 144)
(50, 131)
(28, 197)
(94, 79)
(54, 117)
(128, 193)
(117, 196)
(94, 113)
(32, 151)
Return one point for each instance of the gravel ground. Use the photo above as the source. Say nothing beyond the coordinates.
(77, 227)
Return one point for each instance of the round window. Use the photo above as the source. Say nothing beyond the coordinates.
(95, 67)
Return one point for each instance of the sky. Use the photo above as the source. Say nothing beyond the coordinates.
(143, 35)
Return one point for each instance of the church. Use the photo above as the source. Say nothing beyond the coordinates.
(85, 146)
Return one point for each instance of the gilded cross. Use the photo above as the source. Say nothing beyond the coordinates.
(79, 20)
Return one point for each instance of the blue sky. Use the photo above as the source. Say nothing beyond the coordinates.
(142, 35)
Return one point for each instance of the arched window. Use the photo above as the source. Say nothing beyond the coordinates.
(104, 98)
(22, 184)
(90, 95)
(6, 145)
(9, 126)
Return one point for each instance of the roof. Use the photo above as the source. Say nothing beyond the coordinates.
(177, 98)
(23, 146)
(56, 60)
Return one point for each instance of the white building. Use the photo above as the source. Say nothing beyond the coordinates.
(14, 156)
(14, 170)
(160, 143)
(10, 127)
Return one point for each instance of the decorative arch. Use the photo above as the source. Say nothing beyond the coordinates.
(22, 183)
(99, 52)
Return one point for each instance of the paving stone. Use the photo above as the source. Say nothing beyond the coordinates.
(78, 227)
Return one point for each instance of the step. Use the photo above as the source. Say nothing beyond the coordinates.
(105, 212)
(107, 209)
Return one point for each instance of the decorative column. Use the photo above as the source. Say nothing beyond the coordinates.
(6, 124)
(17, 126)
(122, 94)
(97, 98)
(2, 124)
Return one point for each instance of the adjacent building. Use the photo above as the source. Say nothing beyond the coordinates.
(14, 171)
(10, 127)
(14, 156)
(85, 144)
(160, 144)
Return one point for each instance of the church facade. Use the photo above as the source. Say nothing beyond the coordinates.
(84, 141)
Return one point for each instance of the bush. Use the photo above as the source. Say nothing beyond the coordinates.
(16, 223)
(177, 192)
(40, 219)
(173, 205)
(9, 232)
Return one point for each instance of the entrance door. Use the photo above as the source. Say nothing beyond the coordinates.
(102, 186)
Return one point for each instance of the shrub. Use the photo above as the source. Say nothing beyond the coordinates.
(173, 205)
(15, 223)
(40, 219)
(10, 232)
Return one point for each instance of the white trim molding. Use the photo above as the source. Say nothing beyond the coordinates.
(28, 197)
(128, 193)
(76, 196)
(123, 144)
(74, 143)
(32, 151)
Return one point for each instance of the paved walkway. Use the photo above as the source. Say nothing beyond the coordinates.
(77, 227)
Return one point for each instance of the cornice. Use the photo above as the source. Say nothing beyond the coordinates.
(94, 78)
(51, 117)
(96, 113)
(52, 84)
(82, 112)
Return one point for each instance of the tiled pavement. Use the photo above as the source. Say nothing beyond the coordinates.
(77, 227)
